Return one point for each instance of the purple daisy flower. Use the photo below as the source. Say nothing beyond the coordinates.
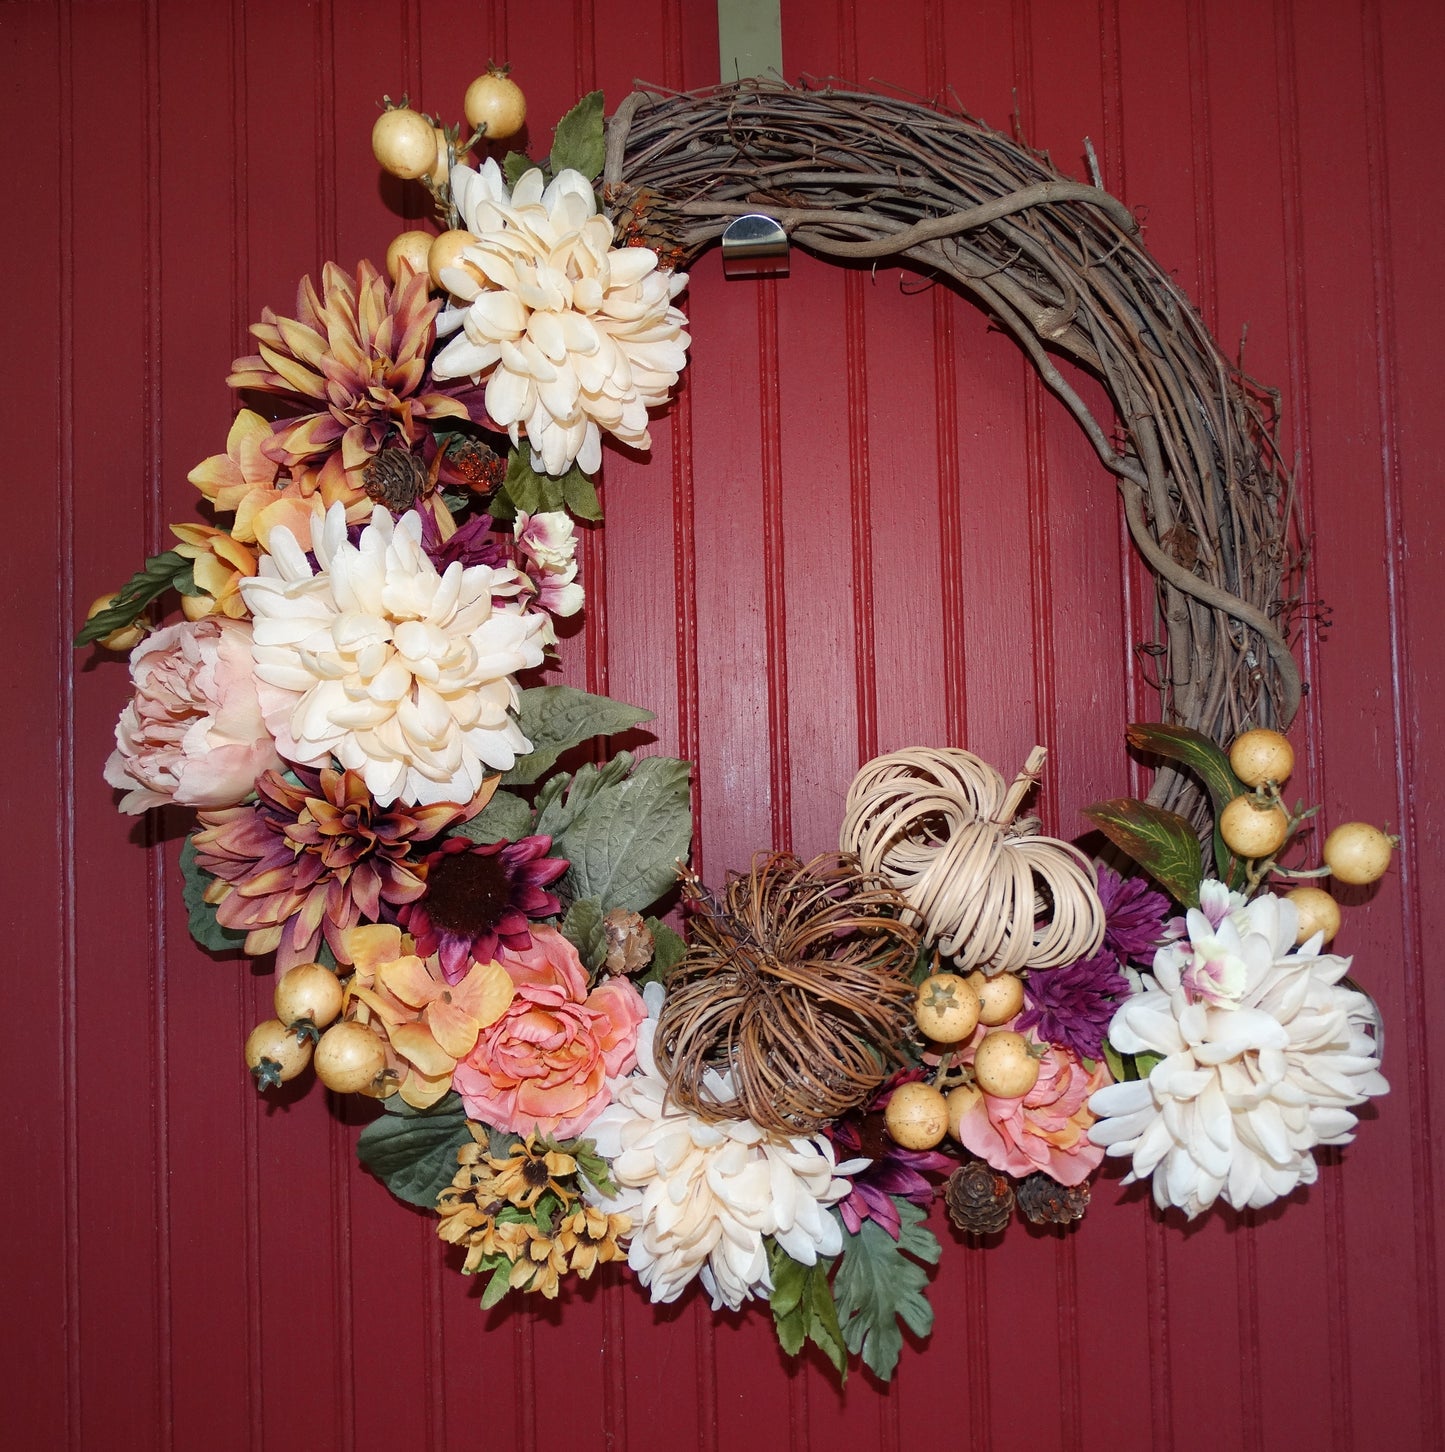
(1133, 915)
(1073, 1006)
(893, 1171)
(479, 897)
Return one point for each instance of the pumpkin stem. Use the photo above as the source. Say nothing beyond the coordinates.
(1024, 783)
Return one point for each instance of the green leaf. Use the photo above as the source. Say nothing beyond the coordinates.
(554, 718)
(457, 501)
(505, 816)
(1161, 842)
(204, 926)
(803, 1307)
(1125, 1067)
(159, 573)
(582, 927)
(579, 494)
(499, 1285)
(413, 1152)
(564, 798)
(627, 837)
(668, 950)
(577, 142)
(1208, 761)
(1195, 750)
(596, 1169)
(878, 1285)
(515, 165)
(528, 491)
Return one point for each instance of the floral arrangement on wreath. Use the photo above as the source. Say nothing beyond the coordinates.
(952, 1004)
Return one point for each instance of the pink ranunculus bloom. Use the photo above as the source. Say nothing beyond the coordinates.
(545, 1063)
(193, 731)
(1046, 1129)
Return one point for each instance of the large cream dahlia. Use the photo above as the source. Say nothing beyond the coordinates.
(405, 675)
(1263, 1052)
(701, 1196)
(574, 335)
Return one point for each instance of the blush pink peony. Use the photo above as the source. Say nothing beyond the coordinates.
(1046, 1129)
(193, 732)
(545, 1063)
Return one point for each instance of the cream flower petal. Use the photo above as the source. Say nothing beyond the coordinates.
(702, 1196)
(557, 293)
(1247, 1087)
(379, 659)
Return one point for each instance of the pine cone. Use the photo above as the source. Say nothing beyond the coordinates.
(979, 1199)
(395, 478)
(1043, 1201)
(629, 941)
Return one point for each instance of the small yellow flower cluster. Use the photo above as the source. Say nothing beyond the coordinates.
(558, 1233)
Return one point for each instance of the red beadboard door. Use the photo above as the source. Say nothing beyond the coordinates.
(864, 524)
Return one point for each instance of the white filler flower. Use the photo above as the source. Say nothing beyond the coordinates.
(403, 674)
(575, 336)
(1263, 1052)
(703, 1195)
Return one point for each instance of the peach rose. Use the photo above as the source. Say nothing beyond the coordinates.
(193, 732)
(545, 1063)
(1046, 1129)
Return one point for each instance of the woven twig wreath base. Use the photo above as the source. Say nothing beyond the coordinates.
(1060, 265)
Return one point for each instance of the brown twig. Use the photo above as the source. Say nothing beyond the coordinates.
(1193, 444)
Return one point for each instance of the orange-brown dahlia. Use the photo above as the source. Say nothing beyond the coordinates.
(246, 482)
(314, 859)
(355, 358)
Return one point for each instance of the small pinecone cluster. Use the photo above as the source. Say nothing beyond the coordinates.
(1044, 1201)
(980, 1200)
(395, 478)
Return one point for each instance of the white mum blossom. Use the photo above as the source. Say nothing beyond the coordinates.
(703, 1195)
(403, 674)
(1262, 1053)
(574, 335)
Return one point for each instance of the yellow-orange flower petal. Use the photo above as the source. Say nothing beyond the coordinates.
(226, 478)
(414, 1042)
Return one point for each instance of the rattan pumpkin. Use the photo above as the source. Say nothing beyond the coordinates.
(992, 892)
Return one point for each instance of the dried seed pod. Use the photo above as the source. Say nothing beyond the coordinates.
(797, 984)
(989, 890)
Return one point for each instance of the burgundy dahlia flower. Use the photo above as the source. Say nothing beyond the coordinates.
(479, 897)
(473, 543)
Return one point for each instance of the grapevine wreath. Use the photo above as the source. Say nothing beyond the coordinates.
(951, 1003)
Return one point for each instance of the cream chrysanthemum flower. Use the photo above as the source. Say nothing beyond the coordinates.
(405, 675)
(1262, 1053)
(574, 335)
(701, 1196)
